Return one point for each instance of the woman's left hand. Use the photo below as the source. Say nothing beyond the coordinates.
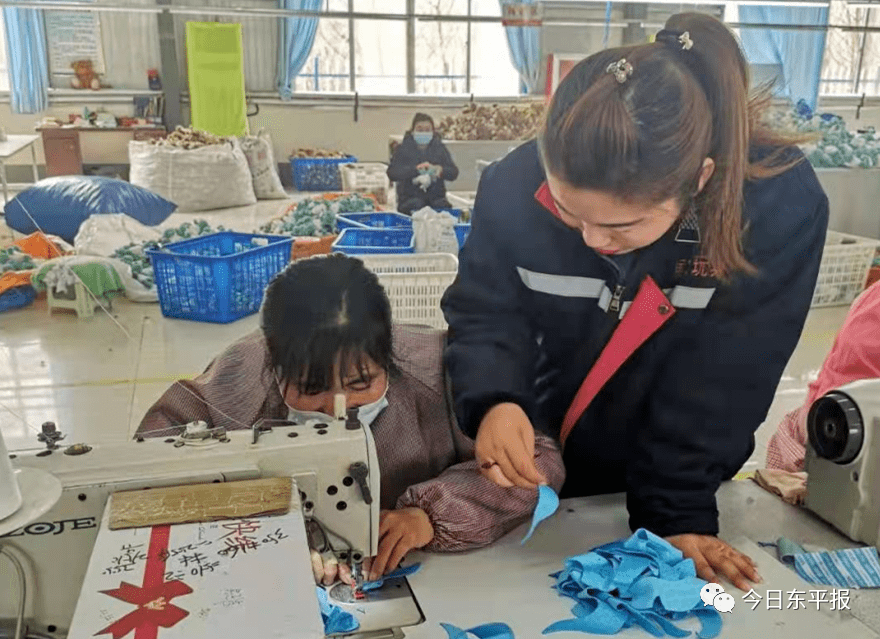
(712, 556)
(400, 531)
(438, 170)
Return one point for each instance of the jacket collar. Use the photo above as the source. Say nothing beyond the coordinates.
(545, 199)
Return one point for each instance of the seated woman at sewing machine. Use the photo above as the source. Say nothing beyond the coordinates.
(855, 356)
(326, 329)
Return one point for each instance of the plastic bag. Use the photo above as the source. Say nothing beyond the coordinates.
(104, 234)
(210, 177)
(434, 232)
(261, 160)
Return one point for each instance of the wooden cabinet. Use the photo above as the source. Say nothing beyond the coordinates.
(67, 149)
(63, 152)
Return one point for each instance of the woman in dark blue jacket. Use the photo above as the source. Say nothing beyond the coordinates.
(635, 282)
(421, 166)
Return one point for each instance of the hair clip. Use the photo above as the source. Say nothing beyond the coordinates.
(686, 42)
(675, 38)
(621, 70)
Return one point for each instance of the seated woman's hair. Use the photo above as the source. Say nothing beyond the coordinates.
(422, 117)
(324, 311)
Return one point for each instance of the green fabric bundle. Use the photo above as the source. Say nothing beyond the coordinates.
(317, 216)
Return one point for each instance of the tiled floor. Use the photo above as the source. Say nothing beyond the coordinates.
(96, 377)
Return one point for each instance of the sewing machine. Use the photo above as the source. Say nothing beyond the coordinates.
(843, 460)
(335, 483)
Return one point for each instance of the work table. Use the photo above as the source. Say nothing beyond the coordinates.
(509, 583)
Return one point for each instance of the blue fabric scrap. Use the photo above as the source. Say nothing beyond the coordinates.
(396, 574)
(486, 631)
(548, 502)
(336, 620)
(641, 581)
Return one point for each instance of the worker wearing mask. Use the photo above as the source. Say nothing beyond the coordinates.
(421, 166)
(325, 330)
(635, 282)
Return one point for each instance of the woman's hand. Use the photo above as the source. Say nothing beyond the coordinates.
(326, 569)
(424, 166)
(710, 554)
(438, 170)
(505, 448)
(400, 531)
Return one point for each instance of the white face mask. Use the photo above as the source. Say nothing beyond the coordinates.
(367, 413)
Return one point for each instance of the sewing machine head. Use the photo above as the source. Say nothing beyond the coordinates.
(843, 460)
(333, 465)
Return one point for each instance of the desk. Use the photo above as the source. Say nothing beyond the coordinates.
(67, 148)
(11, 146)
(509, 583)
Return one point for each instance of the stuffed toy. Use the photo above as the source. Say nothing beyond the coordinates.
(85, 76)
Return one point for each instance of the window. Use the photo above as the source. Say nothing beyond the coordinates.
(441, 54)
(380, 57)
(449, 56)
(851, 65)
(327, 68)
(4, 68)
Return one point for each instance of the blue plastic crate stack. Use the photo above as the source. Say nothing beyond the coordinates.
(318, 170)
(363, 233)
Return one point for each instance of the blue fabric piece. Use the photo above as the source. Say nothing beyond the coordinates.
(296, 37)
(17, 297)
(850, 568)
(798, 52)
(548, 502)
(525, 50)
(486, 631)
(60, 205)
(396, 574)
(336, 620)
(641, 581)
(27, 60)
(711, 623)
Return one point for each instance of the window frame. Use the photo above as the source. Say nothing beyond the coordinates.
(410, 18)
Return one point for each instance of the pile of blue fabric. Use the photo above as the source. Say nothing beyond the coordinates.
(336, 620)
(641, 581)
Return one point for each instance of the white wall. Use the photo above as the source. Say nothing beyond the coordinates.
(290, 127)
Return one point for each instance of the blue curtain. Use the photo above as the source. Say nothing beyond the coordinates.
(798, 52)
(525, 51)
(27, 60)
(295, 43)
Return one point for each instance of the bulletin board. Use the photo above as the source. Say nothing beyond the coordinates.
(72, 36)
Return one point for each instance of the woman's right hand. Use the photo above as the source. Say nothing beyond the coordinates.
(505, 448)
(327, 569)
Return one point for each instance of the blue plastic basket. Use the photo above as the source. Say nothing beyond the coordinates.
(373, 221)
(219, 277)
(355, 241)
(461, 232)
(17, 297)
(318, 174)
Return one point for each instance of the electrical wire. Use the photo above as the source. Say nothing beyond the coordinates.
(23, 591)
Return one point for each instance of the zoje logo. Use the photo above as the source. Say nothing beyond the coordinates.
(54, 527)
